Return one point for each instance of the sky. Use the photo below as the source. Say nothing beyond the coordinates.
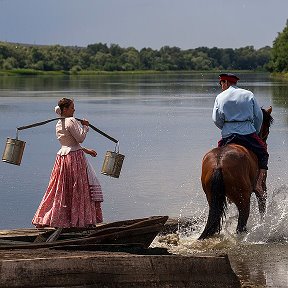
(186, 24)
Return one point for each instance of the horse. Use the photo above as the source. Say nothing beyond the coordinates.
(231, 172)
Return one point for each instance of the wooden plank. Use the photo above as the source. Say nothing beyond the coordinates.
(141, 231)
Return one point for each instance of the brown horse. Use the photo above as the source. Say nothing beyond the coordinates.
(231, 171)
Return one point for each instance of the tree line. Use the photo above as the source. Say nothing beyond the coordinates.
(279, 52)
(101, 57)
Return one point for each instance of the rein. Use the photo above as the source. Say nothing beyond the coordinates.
(265, 136)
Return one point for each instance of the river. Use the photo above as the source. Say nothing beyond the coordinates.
(164, 126)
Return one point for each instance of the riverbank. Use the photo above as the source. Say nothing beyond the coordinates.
(280, 75)
(27, 72)
(31, 72)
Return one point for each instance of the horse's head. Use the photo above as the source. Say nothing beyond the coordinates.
(267, 121)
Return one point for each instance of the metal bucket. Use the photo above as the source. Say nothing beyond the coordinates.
(13, 151)
(112, 164)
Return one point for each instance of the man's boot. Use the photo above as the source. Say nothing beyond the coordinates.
(261, 190)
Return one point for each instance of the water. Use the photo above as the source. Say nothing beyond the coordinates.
(164, 126)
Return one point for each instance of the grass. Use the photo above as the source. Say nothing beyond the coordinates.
(27, 72)
(32, 72)
(283, 75)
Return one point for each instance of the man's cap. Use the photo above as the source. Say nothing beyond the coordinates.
(229, 77)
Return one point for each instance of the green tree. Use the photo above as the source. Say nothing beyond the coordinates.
(279, 61)
(84, 59)
(263, 57)
(246, 58)
(228, 59)
(36, 54)
(60, 58)
(130, 59)
(116, 50)
(215, 54)
(93, 49)
(201, 61)
(99, 60)
(10, 63)
(5, 50)
(147, 56)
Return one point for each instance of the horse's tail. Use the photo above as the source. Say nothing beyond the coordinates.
(217, 207)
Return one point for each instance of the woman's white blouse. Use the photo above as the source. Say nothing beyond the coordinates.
(70, 134)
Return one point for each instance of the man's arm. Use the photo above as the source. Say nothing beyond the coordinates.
(217, 115)
(258, 116)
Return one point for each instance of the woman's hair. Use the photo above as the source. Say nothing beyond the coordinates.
(64, 103)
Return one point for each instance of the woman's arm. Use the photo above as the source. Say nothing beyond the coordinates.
(74, 127)
(91, 152)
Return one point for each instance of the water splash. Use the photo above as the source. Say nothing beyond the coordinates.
(185, 240)
(272, 229)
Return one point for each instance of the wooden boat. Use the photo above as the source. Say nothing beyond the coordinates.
(129, 232)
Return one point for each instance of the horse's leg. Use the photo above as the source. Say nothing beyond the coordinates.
(261, 205)
(217, 203)
(244, 211)
(261, 199)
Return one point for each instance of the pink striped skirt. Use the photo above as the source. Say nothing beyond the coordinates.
(73, 196)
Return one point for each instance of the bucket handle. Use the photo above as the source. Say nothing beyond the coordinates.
(117, 147)
(50, 120)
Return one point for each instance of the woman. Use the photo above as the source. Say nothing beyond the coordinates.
(73, 197)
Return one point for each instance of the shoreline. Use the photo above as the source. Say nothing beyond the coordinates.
(31, 72)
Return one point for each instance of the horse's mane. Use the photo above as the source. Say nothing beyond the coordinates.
(267, 118)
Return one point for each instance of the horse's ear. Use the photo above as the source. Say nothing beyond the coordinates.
(269, 110)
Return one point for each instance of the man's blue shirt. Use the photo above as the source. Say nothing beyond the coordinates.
(236, 111)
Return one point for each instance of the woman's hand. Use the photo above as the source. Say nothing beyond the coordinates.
(91, 152)
(84, 122)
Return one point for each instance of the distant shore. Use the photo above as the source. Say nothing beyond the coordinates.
(280, 75)
(31, 72)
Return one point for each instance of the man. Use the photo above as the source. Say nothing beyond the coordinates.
(239, 117)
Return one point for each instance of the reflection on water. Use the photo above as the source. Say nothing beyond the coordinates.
(164, 126)
(104, 86)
